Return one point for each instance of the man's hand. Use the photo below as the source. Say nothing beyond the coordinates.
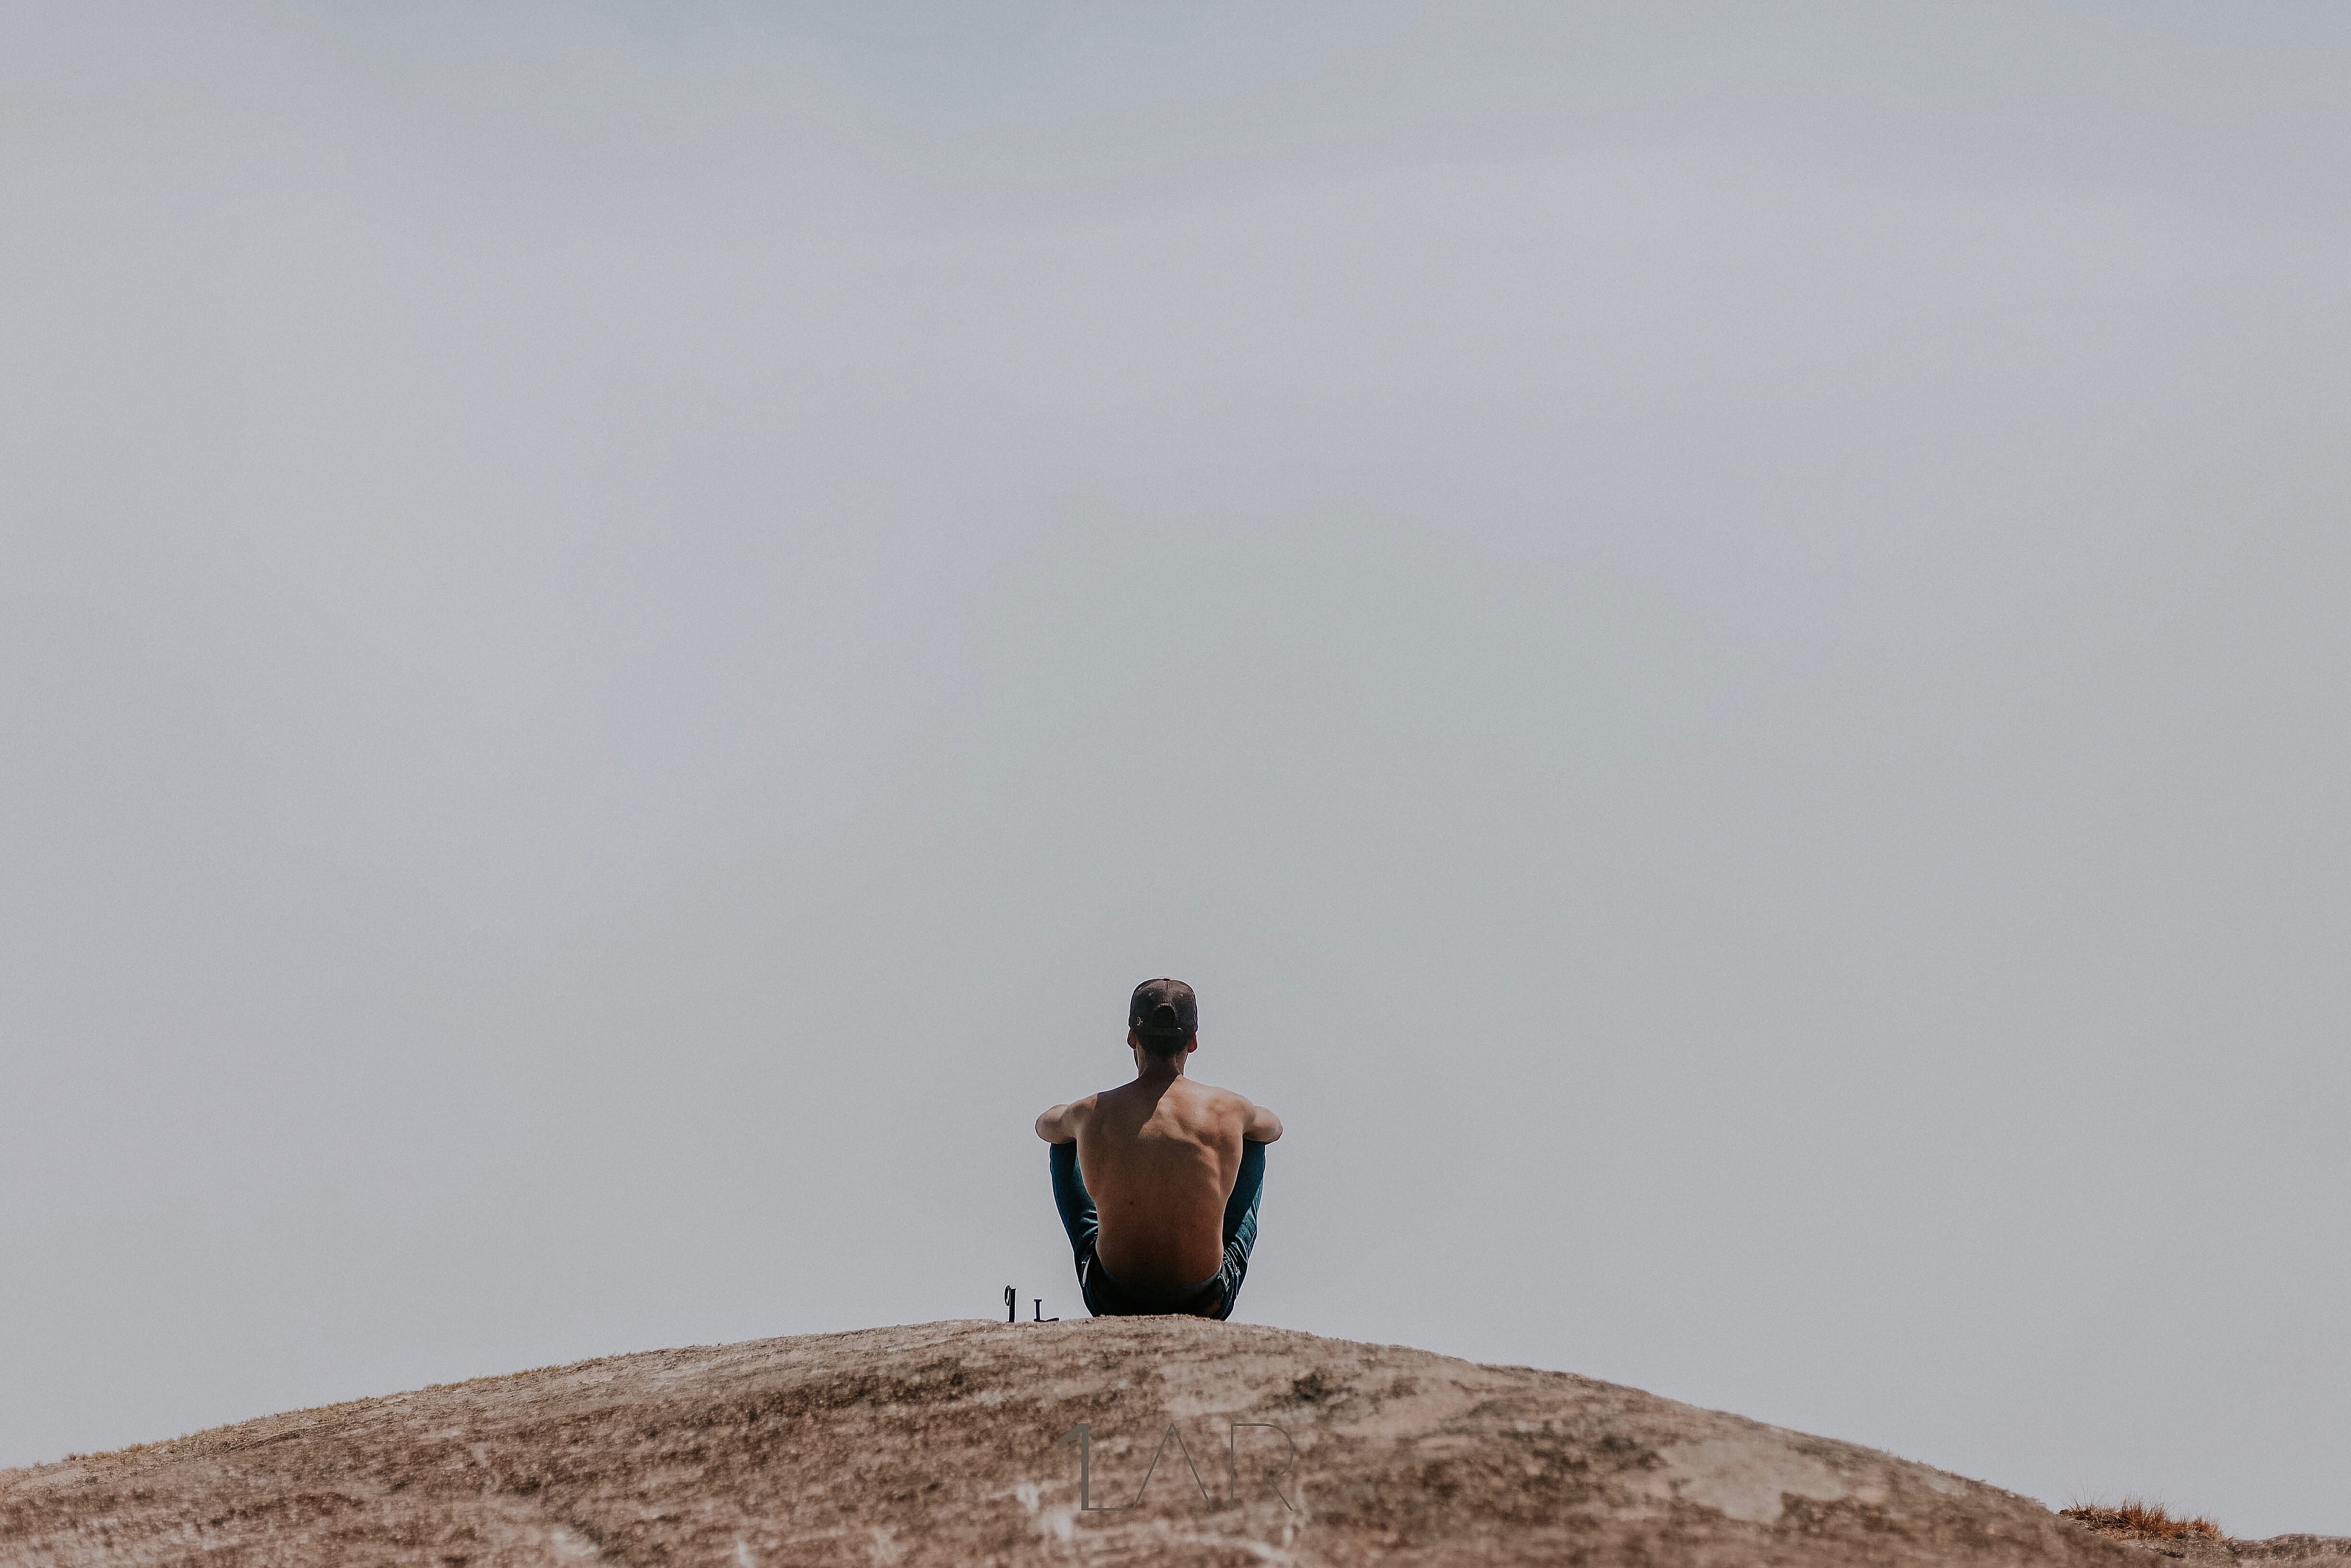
(1060, 1124)
(1263, 1127)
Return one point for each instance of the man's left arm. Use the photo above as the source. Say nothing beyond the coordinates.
(1060, 1124)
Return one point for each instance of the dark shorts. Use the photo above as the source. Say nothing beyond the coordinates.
(1106, 1297)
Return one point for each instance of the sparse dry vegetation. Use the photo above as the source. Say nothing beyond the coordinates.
(2133, 1520)
(941, 1445)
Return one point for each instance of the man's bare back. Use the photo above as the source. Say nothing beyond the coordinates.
(1159, 1158)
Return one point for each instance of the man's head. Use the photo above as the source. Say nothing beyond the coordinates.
(1164, 1017)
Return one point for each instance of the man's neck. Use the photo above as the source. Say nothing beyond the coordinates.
(1152, 1069)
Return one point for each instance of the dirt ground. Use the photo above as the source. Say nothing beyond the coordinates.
(1147, 1440)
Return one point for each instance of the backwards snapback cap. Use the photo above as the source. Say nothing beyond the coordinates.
(1166, 1009)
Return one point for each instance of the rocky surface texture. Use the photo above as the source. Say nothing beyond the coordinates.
(1150, 1441)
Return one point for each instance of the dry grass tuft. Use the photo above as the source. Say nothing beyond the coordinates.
(2136, 1521)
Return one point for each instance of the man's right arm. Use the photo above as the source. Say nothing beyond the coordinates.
(1060, 1124)
(1263, 1127)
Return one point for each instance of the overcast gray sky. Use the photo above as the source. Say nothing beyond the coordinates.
(1716, 633)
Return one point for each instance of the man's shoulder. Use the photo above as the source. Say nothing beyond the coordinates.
(1222, 1099)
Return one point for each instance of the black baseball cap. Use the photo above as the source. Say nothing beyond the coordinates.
(1166, 1009)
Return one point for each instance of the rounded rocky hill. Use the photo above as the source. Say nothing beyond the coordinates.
(1140, 1440)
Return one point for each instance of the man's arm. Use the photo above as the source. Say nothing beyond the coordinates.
(1060, 1124)
(1263, 1127)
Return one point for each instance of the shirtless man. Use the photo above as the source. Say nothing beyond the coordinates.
(1175, 1166)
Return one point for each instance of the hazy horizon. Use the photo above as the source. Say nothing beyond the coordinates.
(1716, 636)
